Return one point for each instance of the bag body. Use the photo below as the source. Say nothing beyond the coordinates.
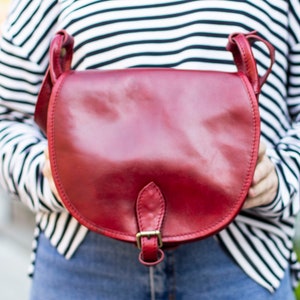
(155, 157)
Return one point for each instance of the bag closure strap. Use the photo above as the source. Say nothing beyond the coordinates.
(239, 45)
(150, 212)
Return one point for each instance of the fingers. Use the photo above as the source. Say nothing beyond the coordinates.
(265, 181)
(47, 168)
(261, 151)
(263, 168)
(48, 173)
(263, 192)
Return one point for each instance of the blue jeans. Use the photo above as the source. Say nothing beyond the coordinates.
(103, 268)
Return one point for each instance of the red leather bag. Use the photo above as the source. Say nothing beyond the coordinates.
(155, 157)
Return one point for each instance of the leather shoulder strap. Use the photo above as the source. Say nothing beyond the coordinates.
(240, 45)
(61, 53)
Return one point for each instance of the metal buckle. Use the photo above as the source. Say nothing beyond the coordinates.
(148, 234)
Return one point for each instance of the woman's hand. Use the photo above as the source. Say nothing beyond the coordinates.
(48, 174)
(265, 181)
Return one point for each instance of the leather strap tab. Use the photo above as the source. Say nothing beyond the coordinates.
(150, 208)
(240, 45)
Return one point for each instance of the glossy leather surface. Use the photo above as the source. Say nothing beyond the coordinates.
(196, 139)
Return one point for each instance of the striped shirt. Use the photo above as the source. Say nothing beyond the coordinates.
(190, 34)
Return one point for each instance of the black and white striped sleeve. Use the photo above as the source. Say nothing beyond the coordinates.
(286, 153)
(23, 61)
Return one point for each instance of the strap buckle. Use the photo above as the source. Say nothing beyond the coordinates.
(148, 234)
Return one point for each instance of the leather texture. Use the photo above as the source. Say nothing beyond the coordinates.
(154, 156)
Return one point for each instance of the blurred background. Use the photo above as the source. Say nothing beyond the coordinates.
(16, 232)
